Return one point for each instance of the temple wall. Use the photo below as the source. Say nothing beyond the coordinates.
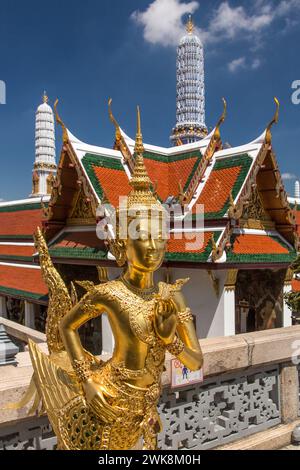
(208, 308)
(251, 387)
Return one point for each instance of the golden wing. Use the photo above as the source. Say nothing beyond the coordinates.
(56, 387)
(59, 299)
(74, 424)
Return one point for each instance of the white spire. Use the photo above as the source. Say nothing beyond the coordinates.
(190, 100)
(45, 165)
(297, 189)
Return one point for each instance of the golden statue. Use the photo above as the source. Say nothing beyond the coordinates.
(112, 405)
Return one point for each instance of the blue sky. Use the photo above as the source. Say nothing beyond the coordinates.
(85, 52)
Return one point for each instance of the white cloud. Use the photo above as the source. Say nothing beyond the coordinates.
(241, 63)
(288, 176)
(236, 64)
(256, 63)
(162, 21)
(229, 22)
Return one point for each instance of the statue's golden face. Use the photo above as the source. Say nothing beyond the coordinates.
(145, 252)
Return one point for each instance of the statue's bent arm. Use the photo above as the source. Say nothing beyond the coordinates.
(91, 306)
(191, 356)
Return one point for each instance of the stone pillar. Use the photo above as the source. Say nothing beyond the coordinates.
(3, 308)
(229, 311)
(229, 303)
(108, 341)
(289, 393)
(287, 314)
(29, 315)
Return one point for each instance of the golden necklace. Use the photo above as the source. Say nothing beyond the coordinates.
(146, 293)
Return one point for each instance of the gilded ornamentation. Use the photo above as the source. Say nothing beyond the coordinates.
(50, 183)
(274, 121)
(111, 405)
(60, 122)
(215, 282)
(82, 369)
(82, 209)
(35, 183)
(231, 279)
(176, 347)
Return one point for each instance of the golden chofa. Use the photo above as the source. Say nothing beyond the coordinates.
(112, 405)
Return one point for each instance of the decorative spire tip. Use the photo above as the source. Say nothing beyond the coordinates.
(190, 25)
(139, 147)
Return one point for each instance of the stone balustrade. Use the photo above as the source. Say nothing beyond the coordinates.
(251, 385)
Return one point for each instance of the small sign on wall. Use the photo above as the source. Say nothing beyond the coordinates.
(181, 376)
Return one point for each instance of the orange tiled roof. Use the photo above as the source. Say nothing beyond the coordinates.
(169, 174)
(260, 248)
(16, 250)
(22, 280)
(196, 248)
(200, 242)
(257, 244)
(20, 220)
(217, 189)
(227, 176)
(114, 183)
(108, 175)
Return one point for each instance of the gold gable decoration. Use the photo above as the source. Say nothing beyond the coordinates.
(254, 214)
(82, 212)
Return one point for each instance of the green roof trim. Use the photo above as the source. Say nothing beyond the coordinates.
(78, 253)
(22, 293)
(173, 158)
(244, 161)
(90, 160)
(16, 258)
(16, 237)
(194, 256)
(22, 207)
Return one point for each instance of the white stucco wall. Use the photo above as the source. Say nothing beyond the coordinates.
(201, 298)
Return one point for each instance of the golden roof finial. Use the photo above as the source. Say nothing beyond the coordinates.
(274, 121)
(217, 134)
(45, 97)
(190, 25)
(60, 122)
(113, 120)
(139, 147)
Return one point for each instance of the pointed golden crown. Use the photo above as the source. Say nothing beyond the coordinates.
(141, 193)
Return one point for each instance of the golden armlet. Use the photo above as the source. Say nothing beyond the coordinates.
(82, 368)
(89, 308)
(185, 316)
(176, 347)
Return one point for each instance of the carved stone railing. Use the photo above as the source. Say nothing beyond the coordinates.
(251, 385)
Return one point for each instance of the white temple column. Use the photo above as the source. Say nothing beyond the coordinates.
(3, 308)
(287, 313)
(229, 311)
(29, 315)
(108, 341)
(228, 299)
